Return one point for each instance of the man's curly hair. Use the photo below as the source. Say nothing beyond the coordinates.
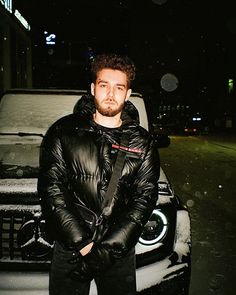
(114, 62)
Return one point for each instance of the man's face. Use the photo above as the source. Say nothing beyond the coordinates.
(110, 91)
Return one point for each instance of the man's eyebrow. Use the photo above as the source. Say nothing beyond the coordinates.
(102, 81)
(122, 85)
(106, 82)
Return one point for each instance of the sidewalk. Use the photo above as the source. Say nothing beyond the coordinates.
(223, 139)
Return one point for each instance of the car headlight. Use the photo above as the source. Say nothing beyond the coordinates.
(155, 229)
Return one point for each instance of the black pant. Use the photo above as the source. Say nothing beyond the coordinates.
(118, 280)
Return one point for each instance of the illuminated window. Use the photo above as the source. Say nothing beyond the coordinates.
(230, 85)
(7, 4)
(22, 20)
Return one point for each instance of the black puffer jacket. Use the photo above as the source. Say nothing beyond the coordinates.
(76, 161)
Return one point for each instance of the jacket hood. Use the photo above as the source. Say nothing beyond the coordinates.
(85, 108)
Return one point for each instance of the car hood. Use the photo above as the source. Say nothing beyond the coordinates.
(19, 158)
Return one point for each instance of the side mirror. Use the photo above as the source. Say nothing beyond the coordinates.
(161, 140)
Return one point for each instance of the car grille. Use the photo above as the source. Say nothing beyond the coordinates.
(10, 226)
(22, 235)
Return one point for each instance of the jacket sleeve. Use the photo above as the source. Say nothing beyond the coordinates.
(53, 192)
(125, 232)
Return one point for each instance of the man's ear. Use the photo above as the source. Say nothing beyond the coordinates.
(92, 88)
(128, 94)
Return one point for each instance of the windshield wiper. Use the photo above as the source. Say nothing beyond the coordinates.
(22, 134)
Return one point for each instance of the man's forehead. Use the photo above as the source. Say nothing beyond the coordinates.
(110, 75)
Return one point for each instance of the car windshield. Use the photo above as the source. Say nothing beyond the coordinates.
(33, 113)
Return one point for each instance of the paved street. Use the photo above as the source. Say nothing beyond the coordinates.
(202, 171)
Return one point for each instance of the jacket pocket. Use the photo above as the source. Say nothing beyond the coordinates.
(88, 216)
(97, 224)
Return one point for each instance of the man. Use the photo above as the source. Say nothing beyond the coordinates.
(76, 162)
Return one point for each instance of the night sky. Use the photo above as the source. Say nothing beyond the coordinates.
(194, 40)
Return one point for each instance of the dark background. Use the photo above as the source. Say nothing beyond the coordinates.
(194, 40)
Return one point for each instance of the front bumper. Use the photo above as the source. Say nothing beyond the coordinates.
(169, 273)
(156, 276)
(148, 281)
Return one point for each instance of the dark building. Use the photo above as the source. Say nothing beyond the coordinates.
(15, 49)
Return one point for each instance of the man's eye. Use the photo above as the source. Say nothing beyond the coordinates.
(103, 85)
(120, 88)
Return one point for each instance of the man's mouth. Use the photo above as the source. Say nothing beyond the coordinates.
(110, 102)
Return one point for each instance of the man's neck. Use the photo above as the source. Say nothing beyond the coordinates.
(109, 122)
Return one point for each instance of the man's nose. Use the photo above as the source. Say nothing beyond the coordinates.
(111, 92)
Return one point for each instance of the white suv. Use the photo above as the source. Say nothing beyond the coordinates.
(163, 250)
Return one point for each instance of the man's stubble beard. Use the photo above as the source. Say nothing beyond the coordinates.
(108, 111)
